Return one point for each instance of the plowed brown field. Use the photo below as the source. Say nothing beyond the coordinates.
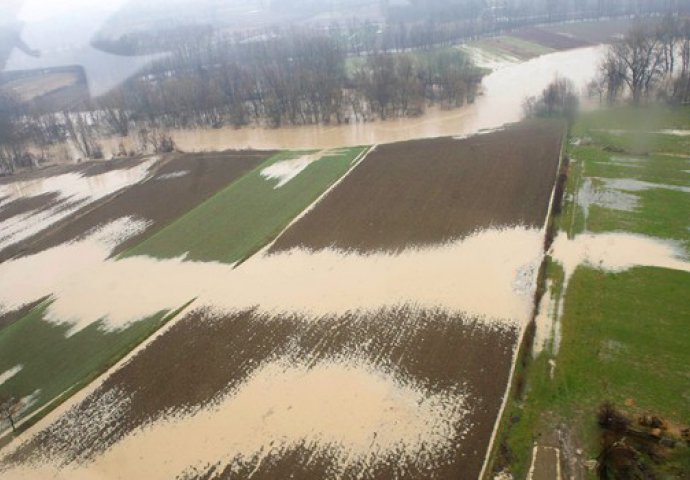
(426, 192)
(203, 356)
(550, 39)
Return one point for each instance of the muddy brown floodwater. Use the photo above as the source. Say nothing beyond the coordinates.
(504, 91)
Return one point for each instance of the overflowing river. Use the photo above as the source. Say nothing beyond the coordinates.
(504, 92)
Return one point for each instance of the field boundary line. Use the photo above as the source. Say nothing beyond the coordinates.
(519, 348)
(355, 163)
(555, 183)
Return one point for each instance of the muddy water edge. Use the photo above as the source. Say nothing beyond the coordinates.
(497, 456)
(503, 93)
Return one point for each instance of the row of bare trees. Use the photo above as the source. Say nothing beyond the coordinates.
(292, 81)
(653, 59)
(402, 26)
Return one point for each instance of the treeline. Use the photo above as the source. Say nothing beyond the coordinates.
(416, 25)
(298, 80)
(652, 62)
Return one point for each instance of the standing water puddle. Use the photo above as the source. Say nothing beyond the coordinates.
(612, 252)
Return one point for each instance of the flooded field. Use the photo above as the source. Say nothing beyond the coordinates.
(426, 192)
(38, 213)
(611, 324)
(504, 91)
(314, 363)
(31, 206)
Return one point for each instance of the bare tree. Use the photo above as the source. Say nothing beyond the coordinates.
(638, 60)
(558, 99)
(81, 134)
(9, 408)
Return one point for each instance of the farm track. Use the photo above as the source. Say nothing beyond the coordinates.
(427, 192)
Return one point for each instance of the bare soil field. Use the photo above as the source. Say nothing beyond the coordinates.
(25, 205)
(550, 39)
(180, 182)
(207, 355)
(88, 169)
(593, 31)
(433, 191)
(49, 88)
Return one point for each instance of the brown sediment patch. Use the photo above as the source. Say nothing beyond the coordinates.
(158, 201)
(451, 361)
(25, 205)
(550, 39)
(75, 192)
(432, 191)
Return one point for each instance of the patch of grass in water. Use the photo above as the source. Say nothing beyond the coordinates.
(245, 216)
(58, 365)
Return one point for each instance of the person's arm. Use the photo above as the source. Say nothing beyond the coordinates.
(21, 45)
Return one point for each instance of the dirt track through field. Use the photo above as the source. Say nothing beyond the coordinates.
(427, 192)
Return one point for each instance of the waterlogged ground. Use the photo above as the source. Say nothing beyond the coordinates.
(325, 363)
(611, 326)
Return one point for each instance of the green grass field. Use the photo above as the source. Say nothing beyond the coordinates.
(238, 221)
(624, 334)
(55, 365)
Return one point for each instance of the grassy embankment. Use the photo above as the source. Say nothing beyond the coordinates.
(239, 220)
(54, 365)
(624, 335)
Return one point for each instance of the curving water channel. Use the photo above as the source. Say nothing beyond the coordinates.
(504, 92)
